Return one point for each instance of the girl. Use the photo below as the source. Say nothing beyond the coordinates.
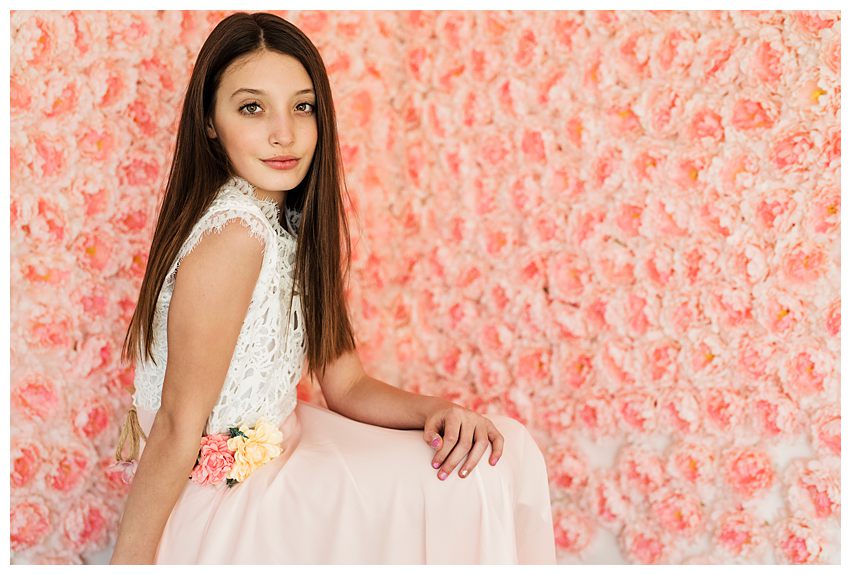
(234, 469)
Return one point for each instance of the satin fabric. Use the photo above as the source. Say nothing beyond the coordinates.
(346, 492)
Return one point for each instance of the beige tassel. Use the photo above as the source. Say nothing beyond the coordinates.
(133, 431)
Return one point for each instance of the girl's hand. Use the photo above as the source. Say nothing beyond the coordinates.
(465, 433)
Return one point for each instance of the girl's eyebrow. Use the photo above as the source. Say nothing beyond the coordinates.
(262, 93)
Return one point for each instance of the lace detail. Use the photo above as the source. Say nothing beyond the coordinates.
(293, 219)
(269, 207)
(268, 359)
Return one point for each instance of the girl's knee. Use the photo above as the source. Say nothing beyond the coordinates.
(517, 434)
(510, 427)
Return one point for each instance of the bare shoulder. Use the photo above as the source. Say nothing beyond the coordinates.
(234, 245)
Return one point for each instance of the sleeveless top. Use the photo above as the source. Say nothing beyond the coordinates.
(270, 349)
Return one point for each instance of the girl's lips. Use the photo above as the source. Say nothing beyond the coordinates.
(288, 165)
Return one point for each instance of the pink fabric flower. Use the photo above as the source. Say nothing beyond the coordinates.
(214, 461)
(127, 469)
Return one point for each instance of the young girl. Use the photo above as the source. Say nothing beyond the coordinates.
(227, 466)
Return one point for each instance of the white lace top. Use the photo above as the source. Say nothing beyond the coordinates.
(269, 355)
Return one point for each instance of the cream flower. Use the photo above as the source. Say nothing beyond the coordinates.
(258, 446)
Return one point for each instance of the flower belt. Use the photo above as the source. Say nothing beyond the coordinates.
(228, 457)
(235, 455)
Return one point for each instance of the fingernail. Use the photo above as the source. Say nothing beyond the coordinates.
(435, 442)
(442, 475)
(463, 473)
(435, 464)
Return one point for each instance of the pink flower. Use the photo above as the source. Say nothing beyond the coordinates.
(826, 430)
(693, 461)
(126, 469)
(574, 530)
(737, 532)
(804, 262)
(36, 397)
(677, 512)
(642, 543)
(29, 524)
(69, 469)
(214, 461)
(636, 411)
(750, 114)
(26, 461)
(749, 471)
(85, 524)
(797, 541)
(94, 250)
(792, 152)
(569, 469)
(640, 469)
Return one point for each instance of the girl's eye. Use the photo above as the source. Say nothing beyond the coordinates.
(244, 106)
(312, 107)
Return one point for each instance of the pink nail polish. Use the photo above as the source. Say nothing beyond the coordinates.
(435, 465)
(435, 442)
(442, 475)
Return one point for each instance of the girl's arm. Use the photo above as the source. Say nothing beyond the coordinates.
(349, 391)
(166, 462)
(211, 296)
(373, 401)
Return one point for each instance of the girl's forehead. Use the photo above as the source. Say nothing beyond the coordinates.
(265, 64)
(284, 75)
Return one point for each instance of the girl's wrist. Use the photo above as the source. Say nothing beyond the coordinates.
(119, 558)
(431, 404)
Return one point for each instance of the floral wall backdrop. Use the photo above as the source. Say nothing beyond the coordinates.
(621, 228)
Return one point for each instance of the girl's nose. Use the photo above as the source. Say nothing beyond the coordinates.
(282, 131)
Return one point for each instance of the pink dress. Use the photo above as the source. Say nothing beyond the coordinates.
(341, 491)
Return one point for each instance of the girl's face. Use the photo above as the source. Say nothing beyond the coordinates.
(273, 116)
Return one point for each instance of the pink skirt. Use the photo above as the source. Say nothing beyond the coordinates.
(345, 492)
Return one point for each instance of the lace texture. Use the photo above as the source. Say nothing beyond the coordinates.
(270, 349)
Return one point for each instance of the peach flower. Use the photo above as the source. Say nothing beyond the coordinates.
(253, 448)
(26, 461)
(574, 530)
(215, 460)
(693, 461)
(29, 523)
(126, 470)
(678, 512)
(85, 524)
(797, 542)
(737, 532)
(641, 543)
(748, 471)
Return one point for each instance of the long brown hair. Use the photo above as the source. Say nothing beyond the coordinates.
(200, 166)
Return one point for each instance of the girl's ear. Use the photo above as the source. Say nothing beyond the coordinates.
(211, 131)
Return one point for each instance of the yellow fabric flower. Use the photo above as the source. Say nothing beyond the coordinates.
(261, 444)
